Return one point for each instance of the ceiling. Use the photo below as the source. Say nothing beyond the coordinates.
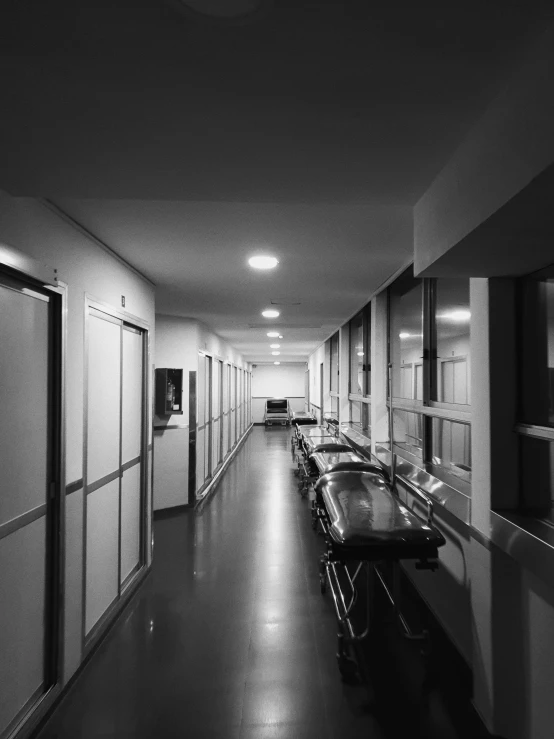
(187, 143)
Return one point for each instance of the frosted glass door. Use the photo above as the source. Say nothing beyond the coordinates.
(225, 418)
(115, 454)
(216, 412)
(201, 422)
(25, 464)
(208, 412)
(103, 466)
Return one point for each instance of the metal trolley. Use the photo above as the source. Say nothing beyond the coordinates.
(365, 524)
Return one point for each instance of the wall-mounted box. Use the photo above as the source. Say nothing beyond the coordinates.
(169, 391)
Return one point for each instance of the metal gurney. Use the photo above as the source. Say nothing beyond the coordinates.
(302, 418)
(326, 459)
(308, 469)
(365, 523)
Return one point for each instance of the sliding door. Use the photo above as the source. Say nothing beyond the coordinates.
(114, 513)
(30, 464)
(217, 370)
(226, 403)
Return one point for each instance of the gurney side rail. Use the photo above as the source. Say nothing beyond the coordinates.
(418, 493)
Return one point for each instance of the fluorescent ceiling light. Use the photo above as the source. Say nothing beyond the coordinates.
(458, 316)
(270, 313)
(406, 335)
(275, 346)
(276, 362)
(274, 335)
(276, 354)
(263, 262)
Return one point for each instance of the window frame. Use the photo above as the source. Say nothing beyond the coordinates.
(365, 395)
(427, 408)
(529, 503)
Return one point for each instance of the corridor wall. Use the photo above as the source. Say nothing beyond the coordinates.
(88, 272)
(190, 450)
(285, 380)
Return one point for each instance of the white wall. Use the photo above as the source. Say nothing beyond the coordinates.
(178, 342)
(285, 380)
(278, 381)
(176, 348)
(314, 362)
(29, 226)
(505, 150)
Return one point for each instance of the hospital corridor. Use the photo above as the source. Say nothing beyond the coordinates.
(276, 369)
(230, 636)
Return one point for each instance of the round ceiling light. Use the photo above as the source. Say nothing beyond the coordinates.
(263, 262)
(276, 354)
(270, 313)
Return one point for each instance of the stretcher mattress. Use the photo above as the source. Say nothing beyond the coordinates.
(301, 418)
(312, 443)
(325, 460)
(368, 522)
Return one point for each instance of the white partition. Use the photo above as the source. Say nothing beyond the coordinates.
(104, 381)
(23, 401)
(130, 521)
(22, 598)
(102, 553)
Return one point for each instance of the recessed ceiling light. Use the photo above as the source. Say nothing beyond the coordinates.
(403, 335)
(263, 262)
(274, 335)
(270, 313)
(360, 354)
(280, 336)
(275, 346)
(276, 362)
(275, 354)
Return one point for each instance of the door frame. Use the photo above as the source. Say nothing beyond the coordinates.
(27, 272)
(96, 633)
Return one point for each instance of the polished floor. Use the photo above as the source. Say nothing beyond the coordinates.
(229, 637)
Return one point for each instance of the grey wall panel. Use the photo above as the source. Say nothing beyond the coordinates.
(130, 520)
(73, 581)
(24, 403)
(104, 356)
(22, 610)
(101, 551)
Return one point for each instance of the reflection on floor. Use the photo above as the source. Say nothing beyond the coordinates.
(230, 636)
